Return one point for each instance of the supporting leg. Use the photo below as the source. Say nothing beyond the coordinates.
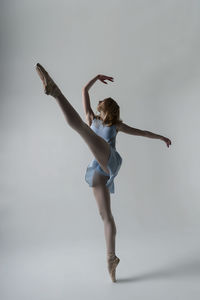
(102, 196)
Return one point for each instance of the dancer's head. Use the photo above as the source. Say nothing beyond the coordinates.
(109, 111)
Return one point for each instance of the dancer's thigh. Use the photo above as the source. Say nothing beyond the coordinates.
(99, 147)
(102, 195)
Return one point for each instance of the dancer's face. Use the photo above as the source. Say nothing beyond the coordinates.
(100, 106)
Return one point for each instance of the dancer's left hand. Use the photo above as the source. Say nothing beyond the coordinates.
(102, 78)
(167, 141)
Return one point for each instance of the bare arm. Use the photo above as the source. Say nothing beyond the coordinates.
(134, 131)
(86, 98)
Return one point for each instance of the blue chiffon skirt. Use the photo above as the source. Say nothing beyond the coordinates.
(113, 165)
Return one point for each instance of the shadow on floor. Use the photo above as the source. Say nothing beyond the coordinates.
(186, 267)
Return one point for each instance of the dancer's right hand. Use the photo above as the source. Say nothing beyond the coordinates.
(102, 78)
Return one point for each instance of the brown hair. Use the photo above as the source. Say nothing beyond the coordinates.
(112, 112)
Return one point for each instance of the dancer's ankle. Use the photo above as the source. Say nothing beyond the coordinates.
(111, 255)
(57, 93)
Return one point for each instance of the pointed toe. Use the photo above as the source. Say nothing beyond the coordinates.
(50, 87)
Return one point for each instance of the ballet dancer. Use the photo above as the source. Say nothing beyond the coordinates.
(99, 132)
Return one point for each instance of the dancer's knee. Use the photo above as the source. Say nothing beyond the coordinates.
(106, 216)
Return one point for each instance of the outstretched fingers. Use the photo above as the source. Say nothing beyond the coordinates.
(104, 77)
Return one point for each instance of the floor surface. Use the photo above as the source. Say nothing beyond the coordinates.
(153, 267)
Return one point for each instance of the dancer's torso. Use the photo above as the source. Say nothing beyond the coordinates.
(108, 133)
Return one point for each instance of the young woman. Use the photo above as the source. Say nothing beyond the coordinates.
(99, 133)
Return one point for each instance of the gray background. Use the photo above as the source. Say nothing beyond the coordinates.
(52, 238)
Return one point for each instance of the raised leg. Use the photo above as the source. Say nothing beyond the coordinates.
(98, 146)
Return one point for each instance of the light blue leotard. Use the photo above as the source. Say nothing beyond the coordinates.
(108, 133)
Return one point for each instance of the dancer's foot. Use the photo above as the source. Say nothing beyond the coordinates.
(112, 261)
(50, 88)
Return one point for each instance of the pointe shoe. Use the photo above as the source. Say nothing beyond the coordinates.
(112, 264)
(50, 88)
